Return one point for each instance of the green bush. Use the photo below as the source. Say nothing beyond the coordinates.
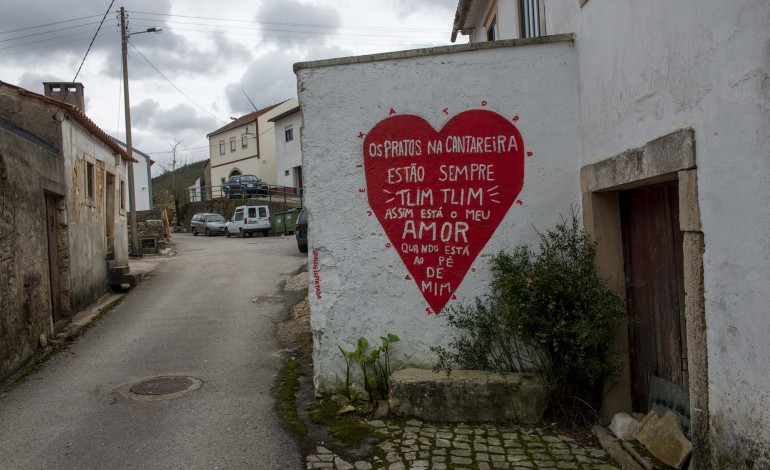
(547, 312)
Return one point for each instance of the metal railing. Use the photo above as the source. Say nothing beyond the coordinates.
(273, 193)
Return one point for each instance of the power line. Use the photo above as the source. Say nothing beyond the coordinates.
(92, 43)
(364, 28)
(172, 84)
(48, 24)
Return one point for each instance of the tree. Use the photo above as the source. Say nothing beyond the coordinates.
(177, 188)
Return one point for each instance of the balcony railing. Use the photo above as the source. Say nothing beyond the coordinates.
(280, 194)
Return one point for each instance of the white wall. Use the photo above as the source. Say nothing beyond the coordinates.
(361, 288)
(649, 68)
(267, 135)
(288, 155)
(142, 187)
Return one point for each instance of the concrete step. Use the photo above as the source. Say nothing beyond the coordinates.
(121, 276)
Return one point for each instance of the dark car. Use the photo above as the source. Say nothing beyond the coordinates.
(244, 186)
(210, 224)
(300, 231)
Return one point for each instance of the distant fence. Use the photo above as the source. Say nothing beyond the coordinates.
(286, 195)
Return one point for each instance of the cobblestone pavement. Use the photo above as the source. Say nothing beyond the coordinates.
(417, 445)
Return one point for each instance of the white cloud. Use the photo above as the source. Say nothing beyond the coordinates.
(210, 51)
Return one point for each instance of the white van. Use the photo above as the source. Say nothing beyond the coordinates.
(248, 220)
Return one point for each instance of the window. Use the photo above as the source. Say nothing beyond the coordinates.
(529, 18)
(221, 147)
(289, 133)
(232, 144)
(492, 30)
(244, 140)
(122, 195)
(90, 180)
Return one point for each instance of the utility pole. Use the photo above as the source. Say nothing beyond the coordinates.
(124, 35)
(133, 245)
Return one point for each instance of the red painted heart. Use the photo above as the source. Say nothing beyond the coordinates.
(441, 195)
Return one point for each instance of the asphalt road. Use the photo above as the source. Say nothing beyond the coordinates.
(207, 313)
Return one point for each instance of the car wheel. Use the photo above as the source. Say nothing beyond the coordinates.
(302, 248)
(195, 234)
(266, 233)
(241, 233)
(208, 233)
(227, 233)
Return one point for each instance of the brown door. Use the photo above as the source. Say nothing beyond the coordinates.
(652, 248)
(53, 256)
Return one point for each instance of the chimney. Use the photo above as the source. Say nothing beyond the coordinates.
(68, 92)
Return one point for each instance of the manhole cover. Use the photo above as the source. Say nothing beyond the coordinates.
(162, 386)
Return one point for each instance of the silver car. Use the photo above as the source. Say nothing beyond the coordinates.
(210, 224)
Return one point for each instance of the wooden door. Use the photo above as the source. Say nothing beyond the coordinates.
(652, 248)
(53, 256)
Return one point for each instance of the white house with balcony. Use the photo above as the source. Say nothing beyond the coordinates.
(246, 146)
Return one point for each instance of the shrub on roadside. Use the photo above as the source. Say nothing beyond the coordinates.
(547, 312)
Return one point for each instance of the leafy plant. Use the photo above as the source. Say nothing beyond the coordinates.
(375, 365)
(348, 356)
(547, 312)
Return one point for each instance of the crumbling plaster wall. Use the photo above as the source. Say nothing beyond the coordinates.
(649, 68)
(87, 232)
(359, 285)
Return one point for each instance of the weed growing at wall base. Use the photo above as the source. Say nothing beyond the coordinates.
(375, 365)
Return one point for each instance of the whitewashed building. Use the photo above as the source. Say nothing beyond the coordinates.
(668, 160)
(142, 179)
(246, 146)
(288, 149)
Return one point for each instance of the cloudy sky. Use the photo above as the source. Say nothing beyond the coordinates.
(192, 77)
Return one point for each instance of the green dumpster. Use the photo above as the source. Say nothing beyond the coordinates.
(279, 223)
(283, 222)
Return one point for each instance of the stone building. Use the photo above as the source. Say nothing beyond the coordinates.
(63, 231)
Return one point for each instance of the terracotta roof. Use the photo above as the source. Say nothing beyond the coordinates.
(79, 116)
(460, 16)
(244, 119)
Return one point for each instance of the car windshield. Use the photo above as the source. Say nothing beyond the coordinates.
(215, 218)
(249, 178)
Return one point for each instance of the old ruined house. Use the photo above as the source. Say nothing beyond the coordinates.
(63, 231)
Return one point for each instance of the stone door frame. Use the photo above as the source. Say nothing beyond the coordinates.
(667, 158)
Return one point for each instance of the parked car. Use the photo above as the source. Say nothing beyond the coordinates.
(248, 220)
(244, 186)
(208, 223)
(300, 231)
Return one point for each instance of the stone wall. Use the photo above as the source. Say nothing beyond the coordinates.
(27, 172)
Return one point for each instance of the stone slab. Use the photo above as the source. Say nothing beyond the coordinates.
(467, 396)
